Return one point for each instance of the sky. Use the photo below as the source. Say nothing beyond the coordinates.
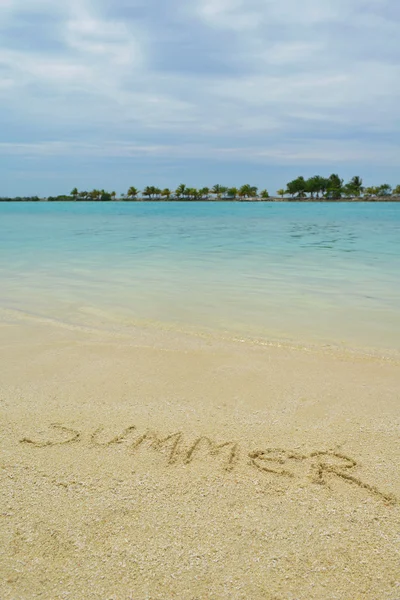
(113, 93)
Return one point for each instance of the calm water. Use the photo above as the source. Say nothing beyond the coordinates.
(318, 273)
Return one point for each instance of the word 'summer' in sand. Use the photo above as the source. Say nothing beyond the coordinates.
(318, 466)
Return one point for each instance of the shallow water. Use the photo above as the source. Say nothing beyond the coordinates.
(307, 273)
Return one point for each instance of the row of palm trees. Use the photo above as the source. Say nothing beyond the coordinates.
(316, 187)
(182, 192)
(334, 187)
(93, 195)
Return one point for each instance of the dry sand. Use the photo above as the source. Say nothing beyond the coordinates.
(168, 466)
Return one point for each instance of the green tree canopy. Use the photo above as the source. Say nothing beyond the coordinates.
(232, 192)
(316, 185)
(180, 190)
(348, 191)
(151, 191)
(332, 187)
(132, 192)
(192, 193)
(335, 187)
(385, 190)
(356, 184)
(247, 191)
(312, 186)
(204, 192)
(147, 192)
(297, 187)
(371, 191)
(104, 196)
(217, 190)
(94, 194)
(166, 193)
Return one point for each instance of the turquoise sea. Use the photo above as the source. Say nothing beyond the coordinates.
(306, 273)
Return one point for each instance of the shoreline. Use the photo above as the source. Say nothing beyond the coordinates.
(224, 200)
(185, 333)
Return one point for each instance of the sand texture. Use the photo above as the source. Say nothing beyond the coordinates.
(161, 466)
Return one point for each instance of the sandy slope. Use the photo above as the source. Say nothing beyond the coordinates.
(165, 466)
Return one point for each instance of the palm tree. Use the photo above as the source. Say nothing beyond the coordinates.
(223, 190)
(74, 193)
(356, 184)
(204, 192)
(94, 194)
(104, 196)
(193, 193)
(298, 187)
(335, 187)
(166, 193)
(233, 192)
(396, 191)
(148, 191)
(253, 191)
(264, 194)
(248, 191)
(217, 190)
(132, 193)
(113, 195)
(349, 191)
(323, 183)
(281, 193)
(244, 191)
(312, 186)
(385, 190)
(180, 190)
(301, 187)
(291, 188)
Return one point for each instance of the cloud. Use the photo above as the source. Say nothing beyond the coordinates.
(94, 54)
(287, 82)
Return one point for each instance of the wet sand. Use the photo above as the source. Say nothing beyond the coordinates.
(163, 465)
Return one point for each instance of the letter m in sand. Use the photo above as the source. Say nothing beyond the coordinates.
(167, 446)
(213, 449)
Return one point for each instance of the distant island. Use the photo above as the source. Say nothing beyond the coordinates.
(314, 189)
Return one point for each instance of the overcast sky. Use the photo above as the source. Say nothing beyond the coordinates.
(113, 93)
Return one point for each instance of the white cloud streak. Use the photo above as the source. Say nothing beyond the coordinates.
(300, 152)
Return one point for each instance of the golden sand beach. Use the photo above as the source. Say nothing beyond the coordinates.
(164, 465)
